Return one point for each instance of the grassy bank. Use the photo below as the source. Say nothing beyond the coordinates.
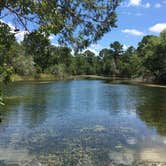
(50, 77)
(39, 77)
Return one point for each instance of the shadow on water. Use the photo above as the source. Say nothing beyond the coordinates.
(153, 109)
(150, 104)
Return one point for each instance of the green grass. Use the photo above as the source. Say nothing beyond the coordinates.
(50, 77)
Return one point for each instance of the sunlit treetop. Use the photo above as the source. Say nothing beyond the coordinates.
(76, 22)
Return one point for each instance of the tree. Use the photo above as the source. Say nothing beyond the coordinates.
(81, 64)
(104, 53)
(116, 49)
(23, 65)
(146, 51)
(58, 70)
(106, 58)
(159, 60)
(91, 61)
(64, 54)
(6, 40)
(37, 45)
(147, 45)
(5, 77)
(129, 63)
(163, 37)
(77, 22)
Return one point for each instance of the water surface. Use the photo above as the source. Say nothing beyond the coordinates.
(82, 122)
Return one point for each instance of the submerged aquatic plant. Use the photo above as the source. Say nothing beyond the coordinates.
(96, 128)
(1, 100)
(99, 128)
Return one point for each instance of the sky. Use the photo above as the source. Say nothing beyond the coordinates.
(135, 19)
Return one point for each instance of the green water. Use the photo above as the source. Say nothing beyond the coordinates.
(82, 123)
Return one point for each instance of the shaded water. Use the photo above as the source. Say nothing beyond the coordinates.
(83, 122)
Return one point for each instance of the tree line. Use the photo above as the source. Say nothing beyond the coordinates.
(35, 55)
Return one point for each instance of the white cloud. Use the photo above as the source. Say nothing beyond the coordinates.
(95, 48)
(51, 37)
(157, 28)
(134, 2)
(131, 14)
(138, 3)
(20, 35)
(147, 5)
(125, 47)
(157, 5)
(133, 32)
(2, 21)
(56, 44)
(9, 24)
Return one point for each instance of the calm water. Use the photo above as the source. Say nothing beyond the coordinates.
(83, 122)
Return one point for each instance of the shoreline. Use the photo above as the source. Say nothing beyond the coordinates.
(113, 80)
(119, 80)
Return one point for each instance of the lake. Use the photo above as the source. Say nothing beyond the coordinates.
(82, 123)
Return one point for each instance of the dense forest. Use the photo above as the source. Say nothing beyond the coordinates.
(35, 55)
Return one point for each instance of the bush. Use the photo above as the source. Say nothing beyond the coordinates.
(23, 65)
(57, 70)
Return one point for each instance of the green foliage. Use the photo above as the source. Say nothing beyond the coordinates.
(76, 22)
(23, 65)
(57, 70)
(6, 40)
(90, 61)
(163, 37)
(152, 51)
(35, 55)
(116, 48)
(37, 44)
(5, 72)
(81, 64)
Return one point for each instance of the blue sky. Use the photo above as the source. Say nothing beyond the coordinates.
(136, 18)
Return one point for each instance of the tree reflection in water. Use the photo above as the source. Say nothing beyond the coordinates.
(152, 110)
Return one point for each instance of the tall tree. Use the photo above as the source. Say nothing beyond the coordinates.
(117, 50)
(91, 61)
(37, 44)
(6, 40)
(146, 51)
(159, 60)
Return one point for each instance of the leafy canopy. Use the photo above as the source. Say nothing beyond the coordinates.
(77, 22)
(6, 39)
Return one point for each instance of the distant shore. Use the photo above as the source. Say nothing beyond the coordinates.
(114, 80)
(117, 80)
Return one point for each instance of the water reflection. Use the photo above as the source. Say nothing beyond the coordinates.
(153, 108)
(83, 123)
